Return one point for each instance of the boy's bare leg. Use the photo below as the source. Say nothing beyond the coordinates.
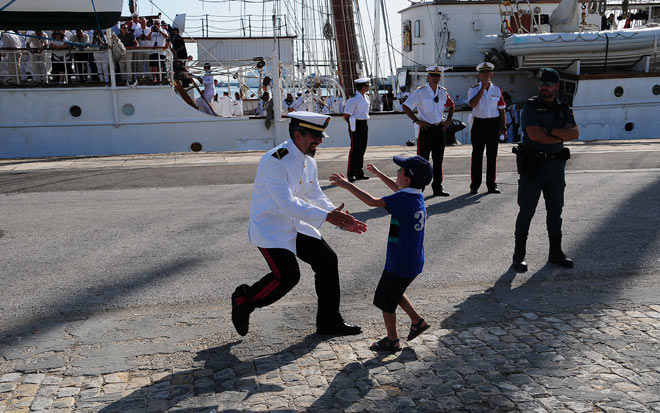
(390, 325)
(407, 306)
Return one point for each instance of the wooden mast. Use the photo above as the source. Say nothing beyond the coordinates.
(346, 40)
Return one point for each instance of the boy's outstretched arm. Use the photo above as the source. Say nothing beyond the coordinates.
(340, 180)
(386, 179)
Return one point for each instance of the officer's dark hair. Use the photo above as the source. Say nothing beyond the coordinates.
(293, 128)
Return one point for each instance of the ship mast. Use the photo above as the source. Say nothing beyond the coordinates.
(347, 56)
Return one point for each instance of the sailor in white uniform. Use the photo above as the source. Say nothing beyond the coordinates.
(488, 112)
(356, 113)
(287, 210)
(431, 101)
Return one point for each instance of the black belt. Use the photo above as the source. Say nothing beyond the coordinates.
(547, 156)
(476, 118)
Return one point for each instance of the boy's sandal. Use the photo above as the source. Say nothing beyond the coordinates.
(417, 329)
(385, 344)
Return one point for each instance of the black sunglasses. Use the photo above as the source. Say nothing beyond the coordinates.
(435, 99)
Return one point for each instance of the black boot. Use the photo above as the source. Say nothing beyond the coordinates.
(519, 263)
(556, 255)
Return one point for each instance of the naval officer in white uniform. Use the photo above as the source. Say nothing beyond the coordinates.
(487, 103)
(288, 208)
(356, 113)
(431, 101)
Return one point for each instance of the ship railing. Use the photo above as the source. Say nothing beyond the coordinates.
(73, 67)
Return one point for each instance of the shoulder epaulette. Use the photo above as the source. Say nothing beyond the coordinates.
(532, 99)
(442, 87)
(280, 153)
(475, 85)
(420, 87)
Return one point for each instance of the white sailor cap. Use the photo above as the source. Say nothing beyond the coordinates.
(485, 66)
(362, 80)
(435, 70)
(314, 122)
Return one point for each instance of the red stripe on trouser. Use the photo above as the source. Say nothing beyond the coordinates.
(350, 153)
(419, 131)
(271, 285)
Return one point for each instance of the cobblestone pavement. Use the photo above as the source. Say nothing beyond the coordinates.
(556, 345)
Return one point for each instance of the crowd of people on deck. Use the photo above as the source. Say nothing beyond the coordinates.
(78, 56)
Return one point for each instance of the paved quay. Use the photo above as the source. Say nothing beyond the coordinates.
(550, 340)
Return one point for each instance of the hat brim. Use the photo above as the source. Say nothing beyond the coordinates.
(399, 160)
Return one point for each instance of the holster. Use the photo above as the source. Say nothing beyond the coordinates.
(565, 154)
(526, 160)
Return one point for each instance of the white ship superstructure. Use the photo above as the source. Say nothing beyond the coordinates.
(609, 76)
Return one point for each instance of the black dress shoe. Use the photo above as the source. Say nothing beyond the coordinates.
(562, 260)
(240, 317)
(362, 177)
(350, 178)
(339, 328)
(473, 191)
(519, 265)
(494, 191)
(440, 193)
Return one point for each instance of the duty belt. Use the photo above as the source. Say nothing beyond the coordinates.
(547, 156)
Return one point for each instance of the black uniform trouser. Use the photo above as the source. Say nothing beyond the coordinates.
(285, 274)
(358, 148)
(485, 133)
(431, 142)
(549, 179)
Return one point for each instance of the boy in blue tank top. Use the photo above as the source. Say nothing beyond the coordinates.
(405, 243)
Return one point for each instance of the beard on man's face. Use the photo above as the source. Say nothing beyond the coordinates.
(545, 93)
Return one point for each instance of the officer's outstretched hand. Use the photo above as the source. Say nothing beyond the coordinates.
(346, 221)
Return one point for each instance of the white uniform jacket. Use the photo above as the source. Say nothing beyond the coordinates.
(490, 103)
(424, 99)
(286, 199)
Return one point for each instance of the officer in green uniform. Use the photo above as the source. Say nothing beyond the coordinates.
(546, 123)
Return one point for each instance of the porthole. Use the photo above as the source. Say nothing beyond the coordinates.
(75, 111)
(629, 126)
(618, 91)
(196, 147)
(128, 109)
(656, 89)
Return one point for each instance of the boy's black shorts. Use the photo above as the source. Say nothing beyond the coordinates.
(390, 290)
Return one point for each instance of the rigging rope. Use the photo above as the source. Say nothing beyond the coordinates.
(7, 5)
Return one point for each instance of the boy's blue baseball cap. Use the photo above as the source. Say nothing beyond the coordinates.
(417, 168)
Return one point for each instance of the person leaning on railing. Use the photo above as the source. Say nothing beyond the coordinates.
(101, 56)
(61, 57)
(141, 58)
(11, 40)
(157, 36)
(37, 46)
(80, 57)
(128, 40)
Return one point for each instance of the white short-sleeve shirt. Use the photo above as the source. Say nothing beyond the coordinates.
(357, 107)
(424, 99)
(490, 103)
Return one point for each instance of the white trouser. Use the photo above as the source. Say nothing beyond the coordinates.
(125, 65)
(14, 67)
(101, 59)
(39, 66)
(26, 66)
